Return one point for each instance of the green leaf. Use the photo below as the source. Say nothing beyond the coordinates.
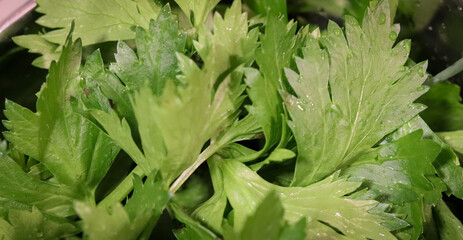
(102, 89)
(95, 21)
(279, 45)
(193, 230)
(244, 129)
(445, 111)
(10, 151)
(413, 213)
(4, 147)
(117, 222)
(449, 226)
(120, 132)
(278, 155)
(400, 171)
(447, 163)
(210, 96)
(268, 7)
(334, 8)
(350, 101)
(358, 8)
(170, 137)
(100, 223)
(91, 95)
(197, 11)
(147, 197)
(235, 151)
(18, 186)
(194, 192)
(71, 147)
(212, 211)
(294, 232)
(229, 44)
(24, 224)
(266, 223)
(154, 64)
(450, 171)
(37, 44)
(175, 126)
(323, 204)
(430, 230)
(453, 139)
(273, 56)
(156, 61)
(266, 108)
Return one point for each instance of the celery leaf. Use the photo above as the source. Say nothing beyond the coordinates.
(24, 224)
(266, 223)
(346, 102)
(323, 204)
(70, 146)
(95, 21)
(141, 212)
(197, 11)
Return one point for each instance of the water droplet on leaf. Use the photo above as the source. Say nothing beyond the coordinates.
(420, 73)
(382, 18)
(393, 36)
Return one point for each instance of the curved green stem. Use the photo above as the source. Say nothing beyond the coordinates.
(123, 189)
(187, 173)
(449, 72)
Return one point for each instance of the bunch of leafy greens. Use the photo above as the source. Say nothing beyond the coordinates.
(234, 127)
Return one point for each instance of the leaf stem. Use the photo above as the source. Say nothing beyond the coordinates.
(449, 72)
(207, 153)
(123, 189)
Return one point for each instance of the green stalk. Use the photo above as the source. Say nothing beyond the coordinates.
(126, 186)
(200, 160)
(123, 189)
(449, 72)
